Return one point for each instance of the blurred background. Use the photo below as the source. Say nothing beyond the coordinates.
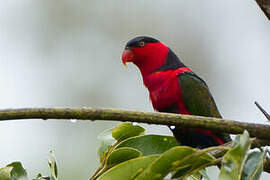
(66, 53)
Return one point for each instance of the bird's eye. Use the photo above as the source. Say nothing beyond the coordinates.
(141, 43)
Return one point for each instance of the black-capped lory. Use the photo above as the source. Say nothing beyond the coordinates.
(174, 88)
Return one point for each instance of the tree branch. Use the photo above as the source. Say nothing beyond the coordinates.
(265, 6)
(220, 125)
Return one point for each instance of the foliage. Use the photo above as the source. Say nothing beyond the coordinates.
(132, 155)
(15, 171)
(126, 153)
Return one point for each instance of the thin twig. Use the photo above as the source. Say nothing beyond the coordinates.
(262, 110)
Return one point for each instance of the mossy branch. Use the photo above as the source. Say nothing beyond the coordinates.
(220, 125)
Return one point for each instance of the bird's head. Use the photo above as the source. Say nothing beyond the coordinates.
(146, 52)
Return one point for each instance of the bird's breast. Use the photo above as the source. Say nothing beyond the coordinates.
(163, 89)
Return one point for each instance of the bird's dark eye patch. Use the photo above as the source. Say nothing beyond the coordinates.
(142, 43)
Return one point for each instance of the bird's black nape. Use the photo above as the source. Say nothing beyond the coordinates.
(135, 41)
(172, 62)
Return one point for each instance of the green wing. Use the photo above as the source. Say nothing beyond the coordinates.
(196, 96)
(198, 99)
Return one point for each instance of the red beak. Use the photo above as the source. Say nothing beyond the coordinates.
(127, 56)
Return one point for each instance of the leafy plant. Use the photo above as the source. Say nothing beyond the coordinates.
(125, 152)
(129, 154)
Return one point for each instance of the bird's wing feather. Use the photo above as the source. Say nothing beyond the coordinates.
(198, 99)
(196, 95)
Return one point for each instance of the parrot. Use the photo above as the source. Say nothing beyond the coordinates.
(174, 88)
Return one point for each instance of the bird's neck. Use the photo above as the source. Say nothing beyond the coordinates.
(162, 59)
(168, 65)
(172, 62)
(151, 57)
(157, 79)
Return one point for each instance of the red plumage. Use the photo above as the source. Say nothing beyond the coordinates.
(164, 89)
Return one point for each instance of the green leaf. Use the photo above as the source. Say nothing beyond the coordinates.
(128, 169)
(233, 161)
(204, 174)
(180, 157)
(5, 173)
(195, 176)
(18, 172)
(253, 167)
(126, 130)
(40, 177)
(199, 175)
(121, 155)
(53, 166)
(106, 140)
(13, 171)
(150, 144)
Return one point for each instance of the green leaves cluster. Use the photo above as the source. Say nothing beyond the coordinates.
(15, 171)
(126, 153)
